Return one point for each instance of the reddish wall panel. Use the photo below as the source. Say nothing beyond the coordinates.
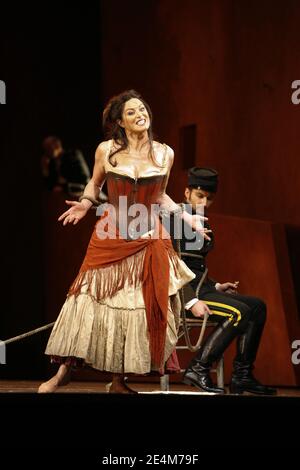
(226, 66)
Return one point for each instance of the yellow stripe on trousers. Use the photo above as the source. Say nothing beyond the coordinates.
(225, 314)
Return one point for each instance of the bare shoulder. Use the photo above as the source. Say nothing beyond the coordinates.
(170, 154)
(102, 150)
(164, 154)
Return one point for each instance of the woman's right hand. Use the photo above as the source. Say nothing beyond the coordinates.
(76, 212)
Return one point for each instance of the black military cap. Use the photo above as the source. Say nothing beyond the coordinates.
(203, 178)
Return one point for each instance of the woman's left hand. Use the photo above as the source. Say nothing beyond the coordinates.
(197, 224)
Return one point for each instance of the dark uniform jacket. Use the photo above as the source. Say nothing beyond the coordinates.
(193, 250)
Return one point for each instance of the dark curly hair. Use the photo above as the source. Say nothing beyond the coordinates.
(113, 113)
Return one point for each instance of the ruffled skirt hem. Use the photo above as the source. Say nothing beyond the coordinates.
(112, 334)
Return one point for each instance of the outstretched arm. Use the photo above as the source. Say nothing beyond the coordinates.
(166, 203)
(79, 209)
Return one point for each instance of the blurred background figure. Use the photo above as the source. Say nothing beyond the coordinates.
(63, 170)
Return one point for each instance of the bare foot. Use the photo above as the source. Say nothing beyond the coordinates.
(130, 389)
(50, 386)
(65, 377)
(62, 377)
(118, 388)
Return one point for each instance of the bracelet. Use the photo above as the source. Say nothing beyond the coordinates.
(179, 210)
(167, 212)
(91, 199)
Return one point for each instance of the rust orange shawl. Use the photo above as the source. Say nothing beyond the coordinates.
(152, 270)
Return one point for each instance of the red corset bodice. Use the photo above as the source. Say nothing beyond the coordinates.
(143, 190)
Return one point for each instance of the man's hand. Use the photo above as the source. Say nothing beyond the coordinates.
(228, 287)
(199, 309)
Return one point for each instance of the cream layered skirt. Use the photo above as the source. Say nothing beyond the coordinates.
(112, 334)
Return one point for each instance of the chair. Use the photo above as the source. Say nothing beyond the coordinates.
(187, 324)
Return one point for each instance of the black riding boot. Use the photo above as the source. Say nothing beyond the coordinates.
(242, 378)
(197, 373)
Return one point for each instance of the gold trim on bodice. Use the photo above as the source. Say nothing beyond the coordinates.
(134, 178)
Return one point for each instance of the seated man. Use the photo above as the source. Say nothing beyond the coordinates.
(238, 316)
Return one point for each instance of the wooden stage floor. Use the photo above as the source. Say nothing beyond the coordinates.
(29, 386)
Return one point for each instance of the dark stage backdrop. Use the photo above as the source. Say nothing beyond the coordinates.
(50, 62)
(226, 67)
